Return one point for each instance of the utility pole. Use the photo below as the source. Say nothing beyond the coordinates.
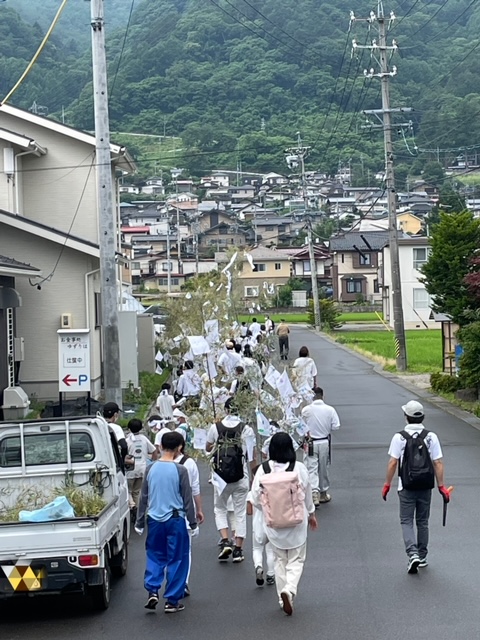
(295, 156)
(169, 270)
(107, 230)
(384, 75)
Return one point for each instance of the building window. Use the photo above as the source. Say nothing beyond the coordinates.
(270, 227)
(421, 299)
(251, 292)
(365, 259)
(135, 265)
(278, 266)
(343, 258)
(354, 286)
(163, 282)
(258, 266)
(376, 287)
(306, 266)
(167, 266)
(420, 257)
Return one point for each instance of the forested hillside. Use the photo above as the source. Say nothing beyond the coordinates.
(240, 77)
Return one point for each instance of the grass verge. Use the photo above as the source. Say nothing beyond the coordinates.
(303, 317)
(424, 348)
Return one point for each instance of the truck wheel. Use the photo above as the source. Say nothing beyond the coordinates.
(120, 560)
(100, 594)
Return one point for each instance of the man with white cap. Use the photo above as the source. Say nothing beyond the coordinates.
(418, 454)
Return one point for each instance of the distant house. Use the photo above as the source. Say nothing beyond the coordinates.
(301, 266)
(180, 272)
(357, 259)
(406, 222)
(416, 303)
(270, 270)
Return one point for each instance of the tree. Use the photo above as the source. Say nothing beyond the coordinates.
(454, 242)
(433, 173)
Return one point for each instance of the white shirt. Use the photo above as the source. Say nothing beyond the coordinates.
(189, 383)
(249, 441)
(228, 360)
(164, 404)
(397, 446)
(304, 370)
(243, 331)
(255, 328)
(320, 419)
(290, 537)
(140, 447)
(193, 475)
(117, 430)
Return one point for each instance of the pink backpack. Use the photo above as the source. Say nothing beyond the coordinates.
(282, 498)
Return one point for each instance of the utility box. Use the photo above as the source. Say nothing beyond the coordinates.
(16, 404)
(19, 349)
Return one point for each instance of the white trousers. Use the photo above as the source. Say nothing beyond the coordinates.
(257, 552)
(318, 466)
(289, 568)
(238, 491)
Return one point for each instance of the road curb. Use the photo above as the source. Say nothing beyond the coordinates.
(437, 401)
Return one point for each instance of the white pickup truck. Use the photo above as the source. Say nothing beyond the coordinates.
(76, 554)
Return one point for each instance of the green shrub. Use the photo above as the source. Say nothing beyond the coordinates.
(469, 338)
(442, 383)
(329, 314)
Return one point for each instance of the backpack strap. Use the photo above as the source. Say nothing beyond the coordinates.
(183, 459)
(423, 434)
(290, 467)
(405, 434)
(266, 467)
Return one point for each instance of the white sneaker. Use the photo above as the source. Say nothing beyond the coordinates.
(324, 497)
(413, 564)
(423, 563)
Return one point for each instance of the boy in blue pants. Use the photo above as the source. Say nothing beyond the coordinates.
(166, 502)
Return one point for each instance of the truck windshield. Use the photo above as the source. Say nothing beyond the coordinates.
(46, 448)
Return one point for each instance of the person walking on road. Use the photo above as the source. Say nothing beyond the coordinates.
(283, 331)
(321, 419)
(305, 370)
(232, 443)
(166, 504)
(289, 542)
(418, 454)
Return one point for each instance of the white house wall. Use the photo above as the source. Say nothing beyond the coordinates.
(38, 319)
(413, 318)
(50, 187)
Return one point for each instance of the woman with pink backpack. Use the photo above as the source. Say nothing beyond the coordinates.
(282, 489)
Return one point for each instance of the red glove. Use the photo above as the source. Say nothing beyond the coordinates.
(385, 490)
(445, 494)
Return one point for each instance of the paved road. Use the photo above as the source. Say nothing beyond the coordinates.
(355, 585)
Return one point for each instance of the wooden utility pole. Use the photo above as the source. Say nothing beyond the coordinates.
(107, 227)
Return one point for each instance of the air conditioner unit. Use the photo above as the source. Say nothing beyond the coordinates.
(66, 321)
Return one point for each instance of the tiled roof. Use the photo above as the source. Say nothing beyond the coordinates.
(377, 240)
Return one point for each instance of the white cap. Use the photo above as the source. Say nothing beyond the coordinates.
(413, 409)
(179, 414)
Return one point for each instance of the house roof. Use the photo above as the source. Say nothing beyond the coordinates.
(22, 141)
(49, 233)
(368, 241)
(127, 229)
(262, 253)
(121, 158)
(10, 266)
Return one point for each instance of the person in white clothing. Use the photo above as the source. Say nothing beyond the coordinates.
(268, 325)
(289, 544)
(111, 413)
(228, 360)
(254, 327)
(165, 402)
(141, 450)
(321, 419)
(304, 370)
(232, 428)
(415, 500)
(260, 545)
(189, 384)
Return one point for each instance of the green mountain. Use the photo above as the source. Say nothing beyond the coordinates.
(237, 78)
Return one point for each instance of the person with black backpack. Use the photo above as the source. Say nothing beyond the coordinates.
(232, 445)
(417, 453)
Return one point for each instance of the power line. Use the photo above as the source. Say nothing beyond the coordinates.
(67, 237)
(273, 24)
(110, 93)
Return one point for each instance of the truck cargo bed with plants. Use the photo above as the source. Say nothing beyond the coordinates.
(74, 463)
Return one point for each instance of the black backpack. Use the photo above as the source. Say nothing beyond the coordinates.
(228, 456)
(416, 470)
